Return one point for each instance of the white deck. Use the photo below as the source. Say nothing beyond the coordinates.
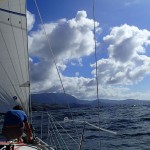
(18, 146)
(25, 146)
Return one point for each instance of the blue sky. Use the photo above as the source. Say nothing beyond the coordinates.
(123, 43)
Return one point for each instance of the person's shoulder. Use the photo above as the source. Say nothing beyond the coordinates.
(19, 111)
(22, 112)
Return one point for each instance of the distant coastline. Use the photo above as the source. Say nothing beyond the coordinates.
(52, 101)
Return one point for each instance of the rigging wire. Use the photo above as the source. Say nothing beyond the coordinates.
(63, 129)
(50, 134)
(96, 78)
(54, 60)
(97, 83)
(49, 137)
(55, 133)
(61, 140)
(42, 125)
(82, 137)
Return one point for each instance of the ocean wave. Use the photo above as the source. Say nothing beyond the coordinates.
(135, 134)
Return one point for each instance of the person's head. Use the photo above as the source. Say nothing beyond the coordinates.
(17, 107)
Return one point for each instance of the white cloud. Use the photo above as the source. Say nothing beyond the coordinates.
(30, 20)
(73, 39)
(70, 40)
(127, 62)
(77, 62)
(126, 42)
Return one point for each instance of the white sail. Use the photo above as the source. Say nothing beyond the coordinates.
(14, 73)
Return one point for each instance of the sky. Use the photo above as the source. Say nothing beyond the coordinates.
(122, 37)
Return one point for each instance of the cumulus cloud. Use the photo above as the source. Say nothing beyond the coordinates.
(30, 20)
(70, 40)
(127, 62)
(73, 39)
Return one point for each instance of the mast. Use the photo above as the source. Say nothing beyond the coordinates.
(29, 102)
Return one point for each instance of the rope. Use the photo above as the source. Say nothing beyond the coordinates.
(50, 134)
(56, 134)
(42, 125)
(80, 146)
(49, 45)
(97, 89)
(54, 60)
(59, 135)
(64, 130)
(53, 134)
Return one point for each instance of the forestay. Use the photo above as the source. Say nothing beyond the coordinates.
(14, 76)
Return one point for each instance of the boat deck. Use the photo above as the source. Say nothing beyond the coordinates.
(16, 146)
(12, 145)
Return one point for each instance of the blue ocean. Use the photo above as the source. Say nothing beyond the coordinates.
(131, 122)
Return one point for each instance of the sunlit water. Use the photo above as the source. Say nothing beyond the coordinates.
(132, 124)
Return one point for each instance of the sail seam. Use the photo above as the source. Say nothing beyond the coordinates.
(10, 80)
(12, 12)
(17, 53)
(12, 25)
(2, 95)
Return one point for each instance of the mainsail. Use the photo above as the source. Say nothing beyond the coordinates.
(14, 72)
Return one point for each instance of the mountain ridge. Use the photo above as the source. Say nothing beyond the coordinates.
(61, 99)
